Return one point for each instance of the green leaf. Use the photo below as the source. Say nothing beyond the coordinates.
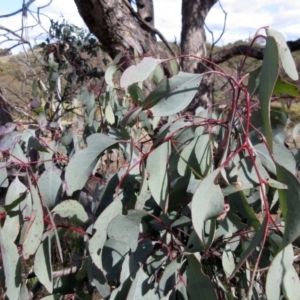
(136, 93)
(158, 74)
(256, 240)
(97, 278)
(139, 286)
(110, 71)
(168, 279)
(197, 156)
(285, 55)
(140, 72)
(71, 209)
(268, 78)
(291, 284)
(282, 262)
(50, 186)
(126, 228)
(228, 261)
(158, 176)
(280, 153)
(17, 155)
(296, 130)
(199, 286)
(109, 114)
(100, 227)
(84, 162)
(3, 175)
(207, 203)
(11, 265)
(42, 264)
(254, 80)
(289, 204)
(36, 225)
(88, 99)
(285, 88)
(16, 193)
(173, 95)
(112, 256)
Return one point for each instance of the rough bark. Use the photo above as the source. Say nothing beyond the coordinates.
(5, 115)
(193, 41)
(112, 22)
(193, 38)
(145, 10)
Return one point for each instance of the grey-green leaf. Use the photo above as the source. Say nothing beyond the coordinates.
(281, 263)
(42, 264)
(140, 72)
(101, 224)
(126, 228)
(158, 176)
(199, 285)
(269, 74)
(50, 186)
(83, 162)
(11, 265)
(289, 200)
(173, 95)
(71, 209)
(207, 202)
(36, 229)
(285, 55)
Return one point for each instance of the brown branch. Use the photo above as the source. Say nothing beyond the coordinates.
(255, 52)
(141, 20)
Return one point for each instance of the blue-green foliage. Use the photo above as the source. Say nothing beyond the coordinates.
(197, 207)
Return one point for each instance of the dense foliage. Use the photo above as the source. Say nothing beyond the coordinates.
(198, 207)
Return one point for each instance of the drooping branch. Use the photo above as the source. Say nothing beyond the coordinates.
(254, 52)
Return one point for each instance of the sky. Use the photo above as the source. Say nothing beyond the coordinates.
(243, 18)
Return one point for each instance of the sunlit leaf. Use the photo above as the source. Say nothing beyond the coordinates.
(282, 262)
(285, 55)
(173, 95)
(207, 202)
(140, 72)
(84, 162)
(71, 209)
(158, 177)
(42, 264)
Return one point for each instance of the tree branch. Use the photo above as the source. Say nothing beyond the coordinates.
(26, 6)
(255, 52)
(141, 20)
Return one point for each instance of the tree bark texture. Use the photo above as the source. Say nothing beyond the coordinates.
(5, 115)
(112, 22)
(193, 38)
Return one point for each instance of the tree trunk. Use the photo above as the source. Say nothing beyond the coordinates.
(119, 28)
(5, 115)
(193, 41)
(193, 38)
(113, 23)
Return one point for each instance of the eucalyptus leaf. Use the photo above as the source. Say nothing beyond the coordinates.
(71, 209)
(83, 163)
